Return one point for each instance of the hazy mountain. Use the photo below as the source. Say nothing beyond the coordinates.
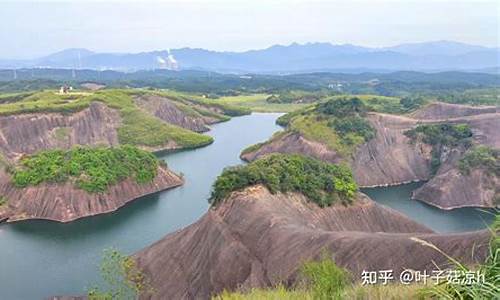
(446, 48)
(294, 58)
(68, 55)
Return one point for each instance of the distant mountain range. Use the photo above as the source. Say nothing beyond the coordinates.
(294, 58)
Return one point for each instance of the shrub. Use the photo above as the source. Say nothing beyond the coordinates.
(354, 125)
(122, 278)
(342, 107)
(273, 99)
(411, 103)
(324, 278)
(439, 136)
(285, 119)
(140, 128)
(346, 118)
(481, 157)
(489, 288)
(323, 183)
(279, 292)
(442, 134)
(93, 169)
(296, 96)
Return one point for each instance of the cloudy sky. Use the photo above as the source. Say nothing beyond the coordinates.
(30, 29)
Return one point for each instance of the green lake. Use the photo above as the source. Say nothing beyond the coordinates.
(42, 258)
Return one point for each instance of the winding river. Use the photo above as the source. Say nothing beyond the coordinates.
(39, 259)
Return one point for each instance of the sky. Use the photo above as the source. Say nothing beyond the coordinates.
(33, 29)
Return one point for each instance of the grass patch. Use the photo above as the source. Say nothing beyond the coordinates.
(323, 183)
(299, 96)
(46, 101)
(92, 169)
(140, 128)
(223, 107)
(3, 201)
(384, 292)
(257, 146)
(259, 103)
(316, 129)
(14, 97)
(461, 288)
(338, 123)
(285, 119)
(482, 96)
(182, 104)
(356, 292)
(278, 293)
(324, 278)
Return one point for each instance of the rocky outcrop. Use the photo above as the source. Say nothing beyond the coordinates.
(257, 239)
(486, 129)
(390, 158)
(65, 202)
(30, 133)
(440, 110)
(168, 111)
(387, 159)
(293, 142)
(451, 189)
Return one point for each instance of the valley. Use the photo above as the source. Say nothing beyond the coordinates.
(249, 150)
(429, 144)
(151, 172)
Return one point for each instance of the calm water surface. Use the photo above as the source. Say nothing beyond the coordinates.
(456, 220)
(41, 258)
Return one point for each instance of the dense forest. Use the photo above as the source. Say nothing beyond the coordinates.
(213, 84)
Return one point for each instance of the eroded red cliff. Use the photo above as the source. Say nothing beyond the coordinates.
(65, 202)
(257, 239)
(390, 158)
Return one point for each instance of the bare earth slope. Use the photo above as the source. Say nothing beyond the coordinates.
(168, 111)
(29, 133)
(257, 239)
(451, 189)
(440, 110)
(390, 158)
(294, 143)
